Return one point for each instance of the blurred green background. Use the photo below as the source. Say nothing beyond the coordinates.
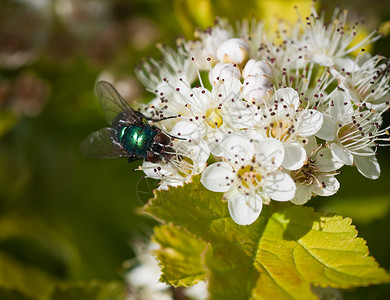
(67, 223)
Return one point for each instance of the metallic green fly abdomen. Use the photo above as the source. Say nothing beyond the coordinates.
(137, 140)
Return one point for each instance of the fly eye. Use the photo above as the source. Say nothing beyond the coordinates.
(152, 157)
(162, 138)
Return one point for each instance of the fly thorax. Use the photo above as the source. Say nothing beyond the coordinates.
(136, 140)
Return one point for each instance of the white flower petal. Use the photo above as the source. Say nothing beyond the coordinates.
(199, 99)
(188, 130)
(197, 291)
(243, 209)
(289, 95)
(302, 194)
(257, 68)
(165, 184)
(198, 153)
(322, 59)
(340, 105)
(328, 129)
(310, 145)
(309, 122)
(340, 154)
(156, 170)
(325, 161)
(233, 51)
(200, 54)
(270, 153)
(279, 186)
(169, 90)
(254, 135)
(217, 177)
(237, 147)
(347, 64)
(367, 166)
(228, 89)
(256, 89)
(221, 72)
(215, 38)
(239, 115)
(147, 276)
(330, 186)
(173, 182)
(294, 156)
(214, 140)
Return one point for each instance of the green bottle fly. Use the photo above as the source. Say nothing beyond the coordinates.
(130, 134)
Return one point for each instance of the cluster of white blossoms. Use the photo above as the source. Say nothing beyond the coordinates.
(269, 116)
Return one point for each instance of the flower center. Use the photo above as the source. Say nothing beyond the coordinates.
(279, 130)
(214, 117)
(361, 92)
(249, 177)
(307, 174)
(185, 167)
(346, 134)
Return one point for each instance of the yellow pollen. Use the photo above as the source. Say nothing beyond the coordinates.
(249, 177)
(279, 130)
(214, 118)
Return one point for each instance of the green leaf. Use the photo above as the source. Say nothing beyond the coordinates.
(20, 281)
(281, 255)
(35, 243)
(362, 209)
(32, 255)
(13, 295)
(92, 290)
(24, 279)
(181, 251)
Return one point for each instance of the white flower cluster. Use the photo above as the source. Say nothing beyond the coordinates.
(269, 117)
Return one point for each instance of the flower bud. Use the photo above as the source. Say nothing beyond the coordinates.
(223, 71)
(233, 51)
(256, 89)
(257, 68)
(213, 40)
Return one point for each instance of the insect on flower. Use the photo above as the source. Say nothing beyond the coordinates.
(130, 135)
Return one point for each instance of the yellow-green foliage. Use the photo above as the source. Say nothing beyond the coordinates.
(280, 256)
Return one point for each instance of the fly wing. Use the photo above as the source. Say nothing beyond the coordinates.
(103, 144)
(115, 108)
